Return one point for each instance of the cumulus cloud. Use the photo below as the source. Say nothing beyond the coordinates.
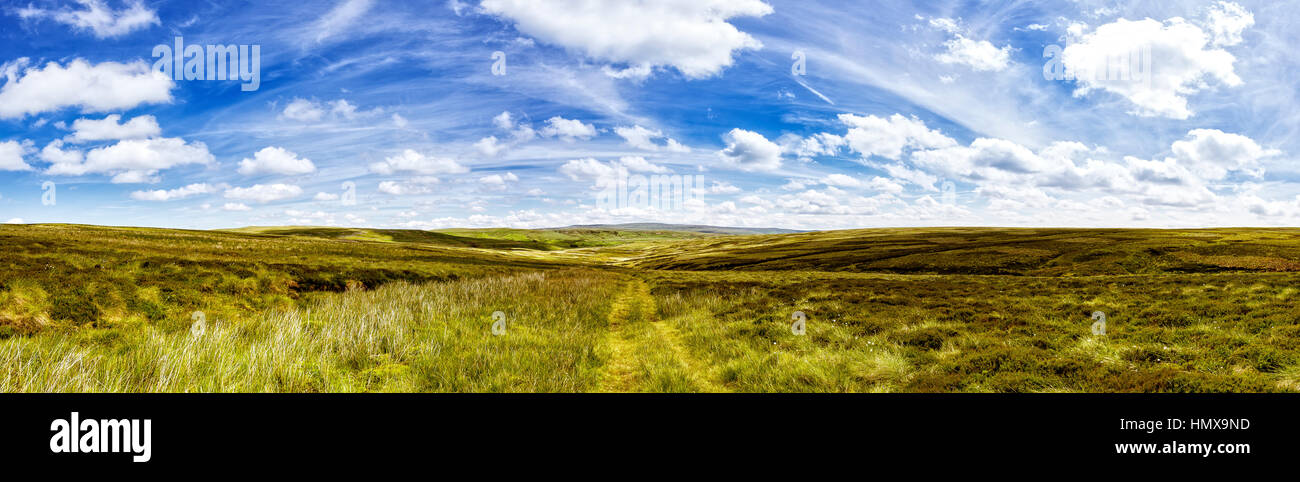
(12, 154)
(588, 168)
(129, 161)
(174, 194)
(1226, 21)
(643, 138)
(498, 180)
(304, 110)
(1168, 61)
(1014, 177)
(410, 161)
(110, 128)
(490, 146)
(805, 148)
(640, 164)
(632, 34)
(878, 136)
(504, 121)
(980, 55)
(100, 87)
(399, 121)
(750, 151)
(264, 193)
(276, 160)
(519, 132)
(1211, 153)
(98, 18)
(567, 130)
(601, 172)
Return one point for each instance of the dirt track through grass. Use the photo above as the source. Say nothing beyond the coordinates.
(645, 353)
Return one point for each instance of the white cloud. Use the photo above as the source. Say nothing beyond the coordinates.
(264, 193)
(876, 183)
(340, 17)
(489, 146)
(921, 179)
(54, 153)
(325, 196)
(700, 45)
(750, 151)
(1181, 63)
(640, 164)
(722, 188)
(11, 156)
(130, 161)
(94, 88)
(1226, 21)
(805, 148)
(174, 194)
(399, 121)
(588, 168)
(946, 24)
(643, 138)
(567, 129)
(303, 110)
(419, 185)
(15, 221)
(136, 177)
(1211, 153)
(236, 207)
(410, 161)
(504, 121)
(98, 18)
(877, 136)
(498, 180)
(343, 108)
(276, 160)
(980, 55)
(841, 180)
(109, 128)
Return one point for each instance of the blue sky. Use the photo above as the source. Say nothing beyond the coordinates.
(897, 114)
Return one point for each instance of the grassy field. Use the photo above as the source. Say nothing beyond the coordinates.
(306, 309)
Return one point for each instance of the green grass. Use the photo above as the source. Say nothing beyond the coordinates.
(401, 337)
(991, 251)
(303, 309)
(914, 333)
(57, 276)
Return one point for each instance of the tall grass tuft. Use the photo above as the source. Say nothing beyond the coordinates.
(399, 337)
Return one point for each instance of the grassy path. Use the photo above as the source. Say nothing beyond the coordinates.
(619, 370)
(646, 354)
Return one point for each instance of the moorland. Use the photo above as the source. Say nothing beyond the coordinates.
(648, 308)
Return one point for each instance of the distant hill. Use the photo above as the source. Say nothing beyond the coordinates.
(392, 236)
(487, 238)
(694, 228)
(990, 251)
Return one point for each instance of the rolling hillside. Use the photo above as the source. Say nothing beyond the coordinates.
(306, 309)
(1031, 252)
